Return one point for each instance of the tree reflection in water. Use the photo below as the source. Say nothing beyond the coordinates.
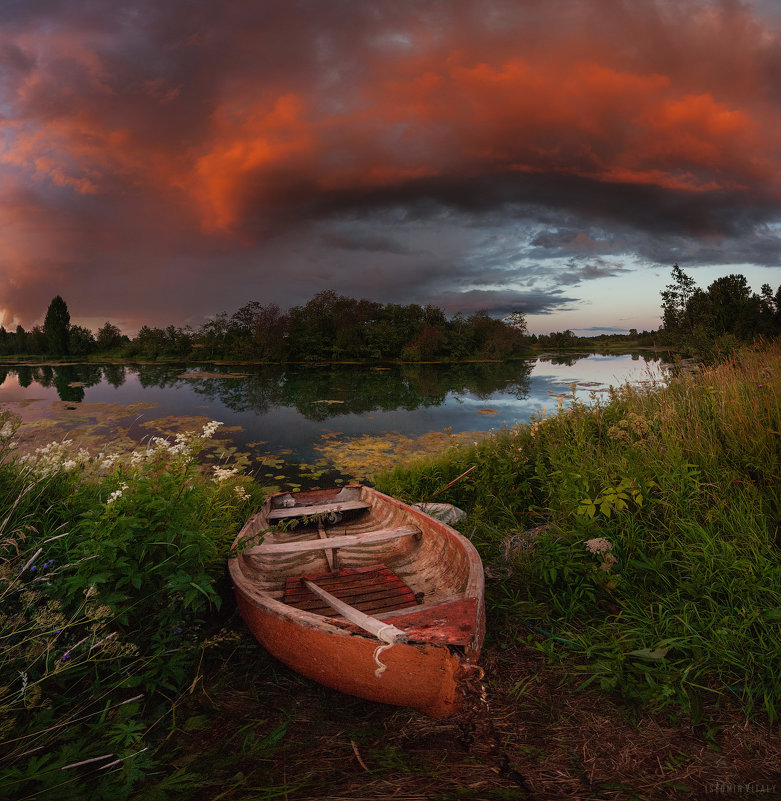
(316, 392)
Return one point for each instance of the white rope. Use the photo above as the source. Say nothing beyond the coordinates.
(384, 637)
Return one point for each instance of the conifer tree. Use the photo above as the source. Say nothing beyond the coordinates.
(56, 327)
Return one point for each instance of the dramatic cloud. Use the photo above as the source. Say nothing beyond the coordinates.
(164, 161)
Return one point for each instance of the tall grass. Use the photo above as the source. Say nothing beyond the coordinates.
(676, 598)
(109, 566)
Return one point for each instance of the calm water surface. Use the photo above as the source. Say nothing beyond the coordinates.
(292, 408)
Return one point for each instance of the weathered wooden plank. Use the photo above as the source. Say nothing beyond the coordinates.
(369, 589)
(396, 597)
(390, 633)
(343, 541)
(365, 603)
(286, 513)
(339, 585)
(330, 554)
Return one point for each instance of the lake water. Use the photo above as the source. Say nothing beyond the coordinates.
(348, 418)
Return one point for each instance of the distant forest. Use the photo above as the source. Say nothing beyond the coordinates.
(332, 327)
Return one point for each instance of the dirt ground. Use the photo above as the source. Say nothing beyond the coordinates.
(254, 729)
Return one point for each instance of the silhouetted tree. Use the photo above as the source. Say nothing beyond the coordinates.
(56, 327)
(675, 299)
(81, 341)
(20, 340)
(516, 320)
(109, 337)
(37, 341)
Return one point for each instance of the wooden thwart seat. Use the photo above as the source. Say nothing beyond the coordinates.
(342, 541)
(317, 509)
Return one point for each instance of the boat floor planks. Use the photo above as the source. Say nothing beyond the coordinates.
(369, 589)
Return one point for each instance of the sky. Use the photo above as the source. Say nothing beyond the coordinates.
(161, 162)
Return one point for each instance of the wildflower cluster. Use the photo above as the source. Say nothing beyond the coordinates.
(604, 550)
(161, 447)
(61, 457)
(55, 457)
(537, 422)
(210, 428)
(117, 493)
(223, 473)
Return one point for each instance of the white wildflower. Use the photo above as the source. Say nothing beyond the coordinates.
(117, 494)
(242, 494)
(223, 473)
(7, 431)
(210, 428)
(107, 460)
(136, 457)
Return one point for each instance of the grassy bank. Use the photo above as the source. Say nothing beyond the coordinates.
(109, 572)
(630, 549)
(637, 539)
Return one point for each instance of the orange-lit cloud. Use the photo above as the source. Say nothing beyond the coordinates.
(152, 140)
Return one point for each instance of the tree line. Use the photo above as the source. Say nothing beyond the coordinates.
(706, 322)
(695, 321)
(330, 327)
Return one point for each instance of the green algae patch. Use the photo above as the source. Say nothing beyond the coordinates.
(90, 425)
(361, 457)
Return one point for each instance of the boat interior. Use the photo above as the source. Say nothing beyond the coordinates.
(353, 546)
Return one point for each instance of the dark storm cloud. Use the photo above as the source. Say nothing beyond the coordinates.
(506, 302)
(576, 274)
(161, 159)
(371, 243)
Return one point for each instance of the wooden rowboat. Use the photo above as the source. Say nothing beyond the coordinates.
(363, 593)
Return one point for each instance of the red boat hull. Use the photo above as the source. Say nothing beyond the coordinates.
(445, 631)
